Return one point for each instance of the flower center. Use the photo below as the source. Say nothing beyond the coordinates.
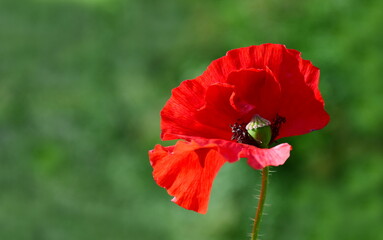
(240, 134)
(258, 132)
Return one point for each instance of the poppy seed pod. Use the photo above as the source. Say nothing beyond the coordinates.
(259, 129)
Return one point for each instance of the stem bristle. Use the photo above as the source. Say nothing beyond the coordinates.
(261, 203)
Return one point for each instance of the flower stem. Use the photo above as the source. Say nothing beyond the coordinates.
(261, 203)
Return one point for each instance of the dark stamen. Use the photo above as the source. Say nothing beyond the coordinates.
(275, 126)
(241, 135)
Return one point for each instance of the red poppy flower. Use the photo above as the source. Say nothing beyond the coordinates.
(211, 111)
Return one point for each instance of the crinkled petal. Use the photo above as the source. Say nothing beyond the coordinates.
(300, 102)
(218, 111)
(187, 171)
(178, 115)
(258, 88)
(274, 56)
(303, 113)
(309, 71)
(258, 158)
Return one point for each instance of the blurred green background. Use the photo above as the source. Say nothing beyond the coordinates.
(81, 86)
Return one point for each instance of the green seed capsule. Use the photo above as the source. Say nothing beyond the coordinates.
(259, 129)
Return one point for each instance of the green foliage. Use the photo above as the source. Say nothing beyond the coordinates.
(82, 84)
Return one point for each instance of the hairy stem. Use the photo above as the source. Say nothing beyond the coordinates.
(261, 203)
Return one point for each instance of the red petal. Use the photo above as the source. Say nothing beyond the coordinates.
(258, 158)
(301, 102)
(178, 115)
(212, 120)
(303, 113)
(259, 88)
(187, 171)
(218, 111)
(259, 57)
(310, 73)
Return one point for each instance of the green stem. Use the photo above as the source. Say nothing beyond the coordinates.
(261, 203)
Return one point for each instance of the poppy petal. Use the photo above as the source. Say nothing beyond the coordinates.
(303, 113)
(180, 109)
(274, 56)
(301, 103)
(309, 71)
(218, 111)
(296, 98)
(259, 88)
(187, 170)
(258, 158)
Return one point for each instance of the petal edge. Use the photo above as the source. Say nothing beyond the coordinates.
(187, 171)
